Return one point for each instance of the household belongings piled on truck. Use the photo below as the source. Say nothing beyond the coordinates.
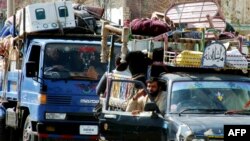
(35, 18)
(44, 17)
(191, 28)
(193, 47)
(216, 54)
(40, 17)
(50, 16)
(200, 44)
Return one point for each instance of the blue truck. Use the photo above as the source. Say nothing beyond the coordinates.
(43, 99)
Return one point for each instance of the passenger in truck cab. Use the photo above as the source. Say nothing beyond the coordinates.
(53, 60)
(139, 100)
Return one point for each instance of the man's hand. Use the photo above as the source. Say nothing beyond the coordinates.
(135, 112)
(140, 93)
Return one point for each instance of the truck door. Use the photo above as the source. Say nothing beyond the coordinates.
(30, 87)
(118, 124)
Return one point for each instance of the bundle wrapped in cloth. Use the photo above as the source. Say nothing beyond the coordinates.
(236, 60)
(149, 27)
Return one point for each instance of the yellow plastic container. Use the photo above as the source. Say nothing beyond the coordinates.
(188, 58)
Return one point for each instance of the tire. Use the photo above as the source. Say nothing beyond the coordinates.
(2, 130)
(13, 135)
(26, 136)
(2, 124)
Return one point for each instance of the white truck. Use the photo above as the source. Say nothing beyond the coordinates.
(208, 92)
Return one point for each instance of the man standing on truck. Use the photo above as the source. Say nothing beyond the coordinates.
(120, 69)
(139, 100)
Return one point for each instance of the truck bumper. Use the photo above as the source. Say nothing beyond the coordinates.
(65, 131)
(139, 129)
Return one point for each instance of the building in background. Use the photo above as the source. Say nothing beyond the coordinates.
(119, 10)
(235, 11)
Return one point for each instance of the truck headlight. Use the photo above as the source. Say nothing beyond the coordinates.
(60, 116)
(198, 139)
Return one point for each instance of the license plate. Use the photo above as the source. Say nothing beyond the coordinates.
(88, 129)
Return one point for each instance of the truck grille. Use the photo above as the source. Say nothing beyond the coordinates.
(59, 100)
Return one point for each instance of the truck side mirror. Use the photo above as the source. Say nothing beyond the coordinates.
(151, 106)
(31, 69)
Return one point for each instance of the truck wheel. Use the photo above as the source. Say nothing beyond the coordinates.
(2, 129)
(2, 123)
(27, 129)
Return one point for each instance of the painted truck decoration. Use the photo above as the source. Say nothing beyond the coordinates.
(214, 56)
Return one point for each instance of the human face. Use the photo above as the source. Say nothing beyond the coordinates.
(52, 53)
(153, 88)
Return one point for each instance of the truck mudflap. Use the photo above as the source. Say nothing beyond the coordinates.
(67, 131)
(118, 127)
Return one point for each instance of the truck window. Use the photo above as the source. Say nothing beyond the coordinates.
(35, 55)
(209, 95)
(73, 61)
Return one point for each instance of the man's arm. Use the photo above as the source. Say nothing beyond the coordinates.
(132, 105)
(136, 103)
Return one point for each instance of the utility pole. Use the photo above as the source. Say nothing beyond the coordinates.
(10, 8)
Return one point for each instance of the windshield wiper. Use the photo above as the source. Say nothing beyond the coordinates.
(205, 110)
(240, 112)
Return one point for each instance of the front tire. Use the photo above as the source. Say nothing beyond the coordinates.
(2, 124)
(27, 130)
(2, 129)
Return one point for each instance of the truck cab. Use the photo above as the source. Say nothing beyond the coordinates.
(199, 105)
(206, 89)
(48, 79)
(41, 98)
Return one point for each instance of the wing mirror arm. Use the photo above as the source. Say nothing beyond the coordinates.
(152, 107)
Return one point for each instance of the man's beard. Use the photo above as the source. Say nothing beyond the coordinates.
(154, 94)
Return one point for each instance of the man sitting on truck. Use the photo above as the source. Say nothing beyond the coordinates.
(154, 87)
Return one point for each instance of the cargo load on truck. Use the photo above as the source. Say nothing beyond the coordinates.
(50, 67)
(205, 70)
(51, 16)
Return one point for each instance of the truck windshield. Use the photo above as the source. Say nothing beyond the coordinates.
(73, 61)
(215, 95)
